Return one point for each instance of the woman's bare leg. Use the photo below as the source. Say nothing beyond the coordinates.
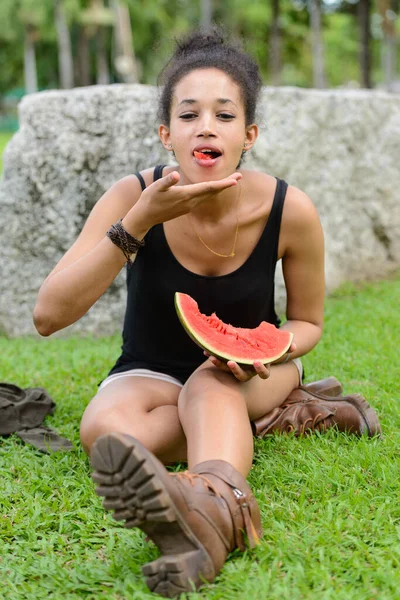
(214, 413)
(142, 407)
(215, 410)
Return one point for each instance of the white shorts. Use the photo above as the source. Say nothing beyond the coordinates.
(140, 373)
(299, 366)
(169, 378)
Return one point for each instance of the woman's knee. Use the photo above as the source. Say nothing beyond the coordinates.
(207, 384)
(125, 410)
(93, 424)
(105, 415)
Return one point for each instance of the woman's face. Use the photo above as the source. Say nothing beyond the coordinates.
(207, 129)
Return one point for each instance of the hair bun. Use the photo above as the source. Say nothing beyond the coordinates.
(200, 40)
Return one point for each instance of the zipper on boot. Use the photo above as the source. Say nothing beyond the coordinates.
(250, 530)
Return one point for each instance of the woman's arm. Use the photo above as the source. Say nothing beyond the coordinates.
(302, 249)
(92, 263)
(89, 267)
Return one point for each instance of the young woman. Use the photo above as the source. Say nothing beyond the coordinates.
(215, 231)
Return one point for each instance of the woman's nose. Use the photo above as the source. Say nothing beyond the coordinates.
(206, 125)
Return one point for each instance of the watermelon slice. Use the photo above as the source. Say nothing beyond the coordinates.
(265, 343)
(204, 155)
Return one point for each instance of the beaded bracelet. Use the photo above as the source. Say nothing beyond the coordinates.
(124, 240)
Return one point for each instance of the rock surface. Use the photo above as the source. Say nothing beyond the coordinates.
(340, 147)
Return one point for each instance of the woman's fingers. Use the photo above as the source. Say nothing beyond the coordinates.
(249, 371)
(242, 373)
(166, 182)
(218, 363)
(212, 187)
(196, 189)
(261, 370)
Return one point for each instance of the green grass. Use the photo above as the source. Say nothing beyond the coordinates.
(330, 503)
(4, 139)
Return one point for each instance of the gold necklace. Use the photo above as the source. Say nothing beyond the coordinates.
(232, 252)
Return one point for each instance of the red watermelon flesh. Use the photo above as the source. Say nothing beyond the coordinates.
(265, 343)
(204, 155)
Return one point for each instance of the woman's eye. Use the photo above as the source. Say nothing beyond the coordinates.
(223, 116)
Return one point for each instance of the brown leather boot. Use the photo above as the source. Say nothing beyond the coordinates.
(195, 518)
(330, 386)
(307, 409)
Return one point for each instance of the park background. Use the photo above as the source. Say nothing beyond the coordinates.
(308, 43)
(329, 502)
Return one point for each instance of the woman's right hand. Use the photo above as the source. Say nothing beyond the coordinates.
(164, 200)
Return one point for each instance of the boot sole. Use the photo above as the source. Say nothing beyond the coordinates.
(134, 485)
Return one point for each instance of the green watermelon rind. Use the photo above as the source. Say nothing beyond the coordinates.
(204, 345)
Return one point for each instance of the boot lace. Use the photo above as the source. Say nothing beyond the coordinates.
(191, 477)
(314, 424)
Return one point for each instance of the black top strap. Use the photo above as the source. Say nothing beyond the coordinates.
(158, 172)
(157, 175)
(141, 180)
(277, 205)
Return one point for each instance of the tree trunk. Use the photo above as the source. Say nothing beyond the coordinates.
(317, 45)
(102, 70)
(275, 54)
(30, 73)
(125, 62)
(389, 45)
(206, 12)
(103, 73)
(83, 65)
(364, 17)
(65, 61)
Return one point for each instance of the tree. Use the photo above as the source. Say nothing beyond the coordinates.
(31, 19)
(98, 19)
(275, 52)
(206, 13)
(65, 60)
(317, 44)
(125, 62)
(30, 73)
(388, 17)
(364, 20)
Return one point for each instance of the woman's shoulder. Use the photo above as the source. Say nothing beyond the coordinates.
(260, 191)
(264, 184)
(300, 219)
(298, 210)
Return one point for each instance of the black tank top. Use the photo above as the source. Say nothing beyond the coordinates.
(153, 337)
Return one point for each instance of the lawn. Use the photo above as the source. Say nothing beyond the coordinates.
(330, 503)
(4, 139)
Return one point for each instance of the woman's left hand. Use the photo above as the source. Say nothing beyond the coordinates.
(286, 357)
(247, 372)
(241, 372)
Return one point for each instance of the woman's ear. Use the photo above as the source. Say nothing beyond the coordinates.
(251, 136)
(164, 135)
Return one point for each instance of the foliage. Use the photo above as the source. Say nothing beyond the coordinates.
(329, 502)
(4, 139)
(155, 24)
